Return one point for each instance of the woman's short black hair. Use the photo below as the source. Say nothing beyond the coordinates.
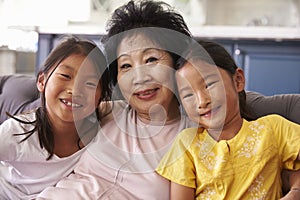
(157, 20)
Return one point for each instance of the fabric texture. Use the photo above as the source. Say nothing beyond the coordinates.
(24, 170)
(247, 166)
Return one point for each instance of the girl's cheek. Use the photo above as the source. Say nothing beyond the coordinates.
(190, 104)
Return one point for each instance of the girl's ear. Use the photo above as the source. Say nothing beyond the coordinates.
(239, 80)
(41, 82)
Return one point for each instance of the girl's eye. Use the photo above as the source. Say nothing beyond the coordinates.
(92, 84)
(210, 84)
(66, 76)
(187, 95)
(151, 59)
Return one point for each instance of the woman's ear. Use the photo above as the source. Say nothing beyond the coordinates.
(239, 79)
(41, 82)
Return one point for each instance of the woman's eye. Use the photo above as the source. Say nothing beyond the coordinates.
(151, 59)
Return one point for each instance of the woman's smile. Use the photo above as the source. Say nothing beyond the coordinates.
(146, 94)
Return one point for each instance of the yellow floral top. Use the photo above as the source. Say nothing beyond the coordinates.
(246, 167)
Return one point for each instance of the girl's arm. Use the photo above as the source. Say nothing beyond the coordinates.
(180, 192)
(294, 193)
(294, 179)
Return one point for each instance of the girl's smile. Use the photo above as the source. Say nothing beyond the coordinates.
(70, 104)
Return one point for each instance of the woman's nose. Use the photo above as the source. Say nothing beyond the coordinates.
(141, 74)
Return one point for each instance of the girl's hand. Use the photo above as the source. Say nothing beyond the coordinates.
(292, 195)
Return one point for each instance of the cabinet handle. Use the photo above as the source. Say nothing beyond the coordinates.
(238, 56)
(237, 52)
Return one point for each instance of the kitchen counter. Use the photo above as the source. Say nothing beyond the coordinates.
(247, 32)
(211, 32)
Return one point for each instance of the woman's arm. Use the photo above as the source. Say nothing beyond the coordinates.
(180, 192)
(286, 105)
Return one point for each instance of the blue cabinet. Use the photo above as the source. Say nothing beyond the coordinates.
(270, 67)
(47, 41)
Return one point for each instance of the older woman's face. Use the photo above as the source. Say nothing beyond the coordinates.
(145, 74)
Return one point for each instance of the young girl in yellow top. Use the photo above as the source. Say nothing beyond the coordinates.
(226, 157)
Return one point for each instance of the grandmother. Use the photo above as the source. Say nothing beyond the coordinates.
(144, 40)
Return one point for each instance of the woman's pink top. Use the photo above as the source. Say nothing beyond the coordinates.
(121, 162)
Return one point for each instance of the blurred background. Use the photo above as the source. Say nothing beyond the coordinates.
(262, 35)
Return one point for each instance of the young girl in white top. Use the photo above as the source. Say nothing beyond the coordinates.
(226, 157)
(40, 147)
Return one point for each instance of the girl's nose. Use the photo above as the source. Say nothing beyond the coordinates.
(203, 99)
(69, 91)
(75, 89)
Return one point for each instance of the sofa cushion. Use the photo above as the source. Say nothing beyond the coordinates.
(18, 93)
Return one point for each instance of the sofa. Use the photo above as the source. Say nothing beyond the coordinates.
(18, 93)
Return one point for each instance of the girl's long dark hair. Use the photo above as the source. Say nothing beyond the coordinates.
(70, 45)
